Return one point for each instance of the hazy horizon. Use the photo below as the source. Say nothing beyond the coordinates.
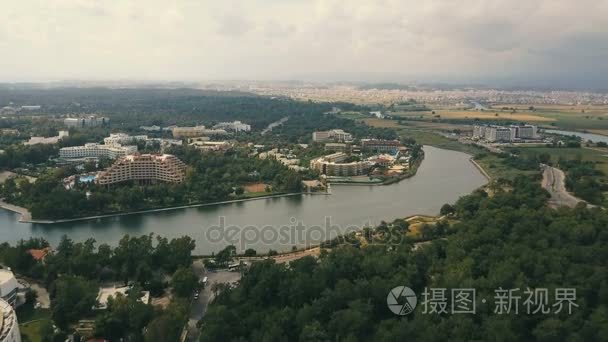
(500, 43)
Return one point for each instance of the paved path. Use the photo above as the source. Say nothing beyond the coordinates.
(554, 181)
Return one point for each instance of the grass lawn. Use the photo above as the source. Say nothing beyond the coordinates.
(31, 332)
(31, 321)
(495, 167)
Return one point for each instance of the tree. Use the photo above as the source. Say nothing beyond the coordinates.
(446, 209)
(184, 281)
(74, 297)
(250, 252)
(168, 326)
(223, 257)
(125, 317)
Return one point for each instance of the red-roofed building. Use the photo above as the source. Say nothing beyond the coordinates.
(39, 254)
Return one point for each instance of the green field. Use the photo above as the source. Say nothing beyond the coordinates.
(353, 115)
(496, 168)
(32, 320)
(31, 331)
(580, 118)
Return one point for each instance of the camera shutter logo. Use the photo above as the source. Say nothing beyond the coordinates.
(401, 300)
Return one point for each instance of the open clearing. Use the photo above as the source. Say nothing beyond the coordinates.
(255, 187)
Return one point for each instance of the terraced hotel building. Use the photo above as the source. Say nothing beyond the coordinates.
(9, 327)
(144, 168)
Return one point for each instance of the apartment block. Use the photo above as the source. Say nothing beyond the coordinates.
(88, 121)
(144, 168)
(380, 145)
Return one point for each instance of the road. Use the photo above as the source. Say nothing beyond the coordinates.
(199, 306)
(554, 182)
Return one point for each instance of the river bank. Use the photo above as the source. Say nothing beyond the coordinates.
(26, 217)
(481, 169)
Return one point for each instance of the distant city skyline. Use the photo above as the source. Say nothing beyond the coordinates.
(542, 43)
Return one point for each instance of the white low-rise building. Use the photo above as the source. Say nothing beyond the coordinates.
(9, 326)
(47, 141)
(236, 126)
(332, 135)
(123, 138)
(93, 150)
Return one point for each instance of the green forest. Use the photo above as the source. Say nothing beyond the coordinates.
(510, 241)
(74, 272)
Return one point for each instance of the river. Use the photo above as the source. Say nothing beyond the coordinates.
(442, 177)
(584, 136)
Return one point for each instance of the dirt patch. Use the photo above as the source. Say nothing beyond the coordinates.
(255, 187)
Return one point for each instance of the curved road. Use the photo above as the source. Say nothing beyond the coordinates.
(554, 182)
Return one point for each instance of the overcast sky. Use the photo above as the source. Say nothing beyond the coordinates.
(523, 41)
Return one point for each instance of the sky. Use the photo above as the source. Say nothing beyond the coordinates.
(531, 42)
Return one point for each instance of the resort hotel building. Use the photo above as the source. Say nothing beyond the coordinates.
(144, 168)
(334, 165)
(93, 150)
(8, 287)
(9, 327)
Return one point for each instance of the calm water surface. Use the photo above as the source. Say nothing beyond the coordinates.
(443, 177)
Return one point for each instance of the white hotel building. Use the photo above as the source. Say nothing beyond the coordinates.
(236, 126)
(93, 150)
(9, 326)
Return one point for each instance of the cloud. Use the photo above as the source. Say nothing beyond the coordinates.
(272, 39)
